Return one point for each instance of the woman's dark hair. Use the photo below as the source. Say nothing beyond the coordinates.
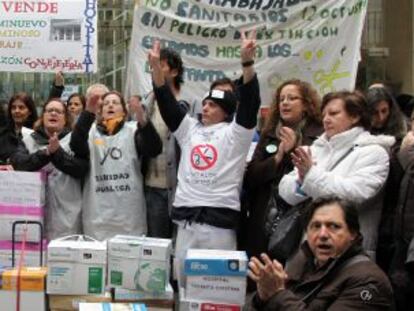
(68, 118)
(348, 208)
(355, 106)
(395, 125)
(81, 97)
(3, 117)
(29, 103)
(310, 97)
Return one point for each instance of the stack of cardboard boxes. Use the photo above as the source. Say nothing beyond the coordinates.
(139, 270)
(215, 280)
(28, 283)
(22, 198)
(76, 272)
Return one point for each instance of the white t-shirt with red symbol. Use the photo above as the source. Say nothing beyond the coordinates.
(212, 163)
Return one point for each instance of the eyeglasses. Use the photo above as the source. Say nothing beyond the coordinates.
(57, 111)
(289, 98)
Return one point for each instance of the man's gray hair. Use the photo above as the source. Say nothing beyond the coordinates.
(94, 87)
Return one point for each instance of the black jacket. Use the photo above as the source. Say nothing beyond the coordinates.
(8, 144)
(24, 161)
(261, 173)
(147, 141)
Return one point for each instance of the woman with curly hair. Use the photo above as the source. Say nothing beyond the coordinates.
(293, 120)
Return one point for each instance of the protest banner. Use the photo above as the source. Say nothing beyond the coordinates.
(314, 40)
(48, 35)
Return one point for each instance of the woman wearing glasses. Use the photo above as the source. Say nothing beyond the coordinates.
(346, 161)
(47, 149)
(113, 197)
(293, 120)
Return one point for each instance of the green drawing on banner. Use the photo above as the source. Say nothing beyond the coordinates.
(320, 54)
(326, 79)
(308, 55)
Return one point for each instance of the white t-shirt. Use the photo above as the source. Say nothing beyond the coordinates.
(212, 163)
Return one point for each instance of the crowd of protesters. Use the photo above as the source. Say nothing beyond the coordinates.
(146, 166)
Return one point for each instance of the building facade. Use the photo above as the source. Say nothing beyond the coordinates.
(387, 50)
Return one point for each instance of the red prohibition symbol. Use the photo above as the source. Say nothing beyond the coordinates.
(203, 157)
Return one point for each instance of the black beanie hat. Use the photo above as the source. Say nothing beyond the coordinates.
(225, 99)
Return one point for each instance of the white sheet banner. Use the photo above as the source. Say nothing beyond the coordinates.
(48, 35)
(314, 40)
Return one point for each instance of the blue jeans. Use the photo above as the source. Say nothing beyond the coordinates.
(158, 216)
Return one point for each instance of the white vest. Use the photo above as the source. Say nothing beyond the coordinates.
(63, 195)
(113, 193)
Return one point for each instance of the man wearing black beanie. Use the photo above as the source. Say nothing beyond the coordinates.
(207, 205)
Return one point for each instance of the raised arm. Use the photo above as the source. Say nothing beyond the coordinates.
(64, 161)
(22, 160)
(167, 103)
(79, 139)
(58, 85)
(249, 90)
(147, 141)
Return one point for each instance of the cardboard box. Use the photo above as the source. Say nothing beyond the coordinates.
(112, 307)
(139, 263)
(7, 220)
(76, 265)
(128, 295)
(32, 286)
(186, 304)
(216, 275)
(29, 301)
(22, 197)
(194, 305)
(71, 303)
(25, 189)
(31, 256)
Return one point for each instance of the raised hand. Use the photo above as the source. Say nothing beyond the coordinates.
(54, 144)
(269, 276)
(135, 106)
(248, 46)
(154, 54)
(288, 137)
(154, 61)
(59, 78)
(408, 140)
(92, 103)
(302, 160)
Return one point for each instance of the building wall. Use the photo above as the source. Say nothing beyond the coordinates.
(398, 37)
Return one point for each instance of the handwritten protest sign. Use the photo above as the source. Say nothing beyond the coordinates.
(48, 35)
(314, 40)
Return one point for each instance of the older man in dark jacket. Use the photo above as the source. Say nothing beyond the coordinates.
(331, 270)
